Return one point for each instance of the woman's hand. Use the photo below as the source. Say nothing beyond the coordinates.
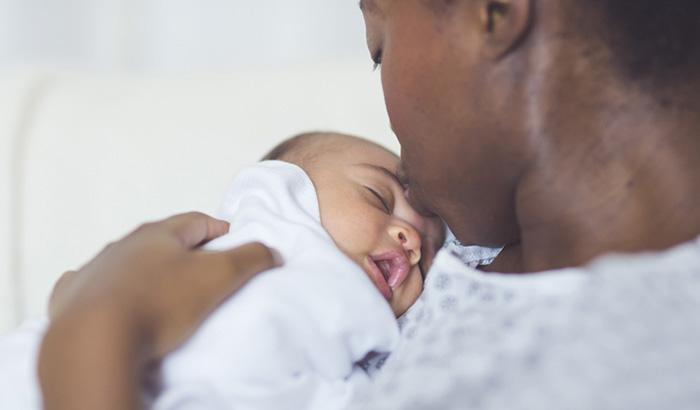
(136, 301)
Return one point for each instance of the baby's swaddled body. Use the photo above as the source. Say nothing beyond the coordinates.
(291, 337)
(288, 340)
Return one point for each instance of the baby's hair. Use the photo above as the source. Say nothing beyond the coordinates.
(284, 148)
(308, 149)
(303, 149)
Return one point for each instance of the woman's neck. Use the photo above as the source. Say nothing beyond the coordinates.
(620, 172)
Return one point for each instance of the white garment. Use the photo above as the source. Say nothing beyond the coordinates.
(291, 337)
(470, 255)
(621, 333)
(19, 353)
(288, 340)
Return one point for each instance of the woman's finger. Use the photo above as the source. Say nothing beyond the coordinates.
(204, 282)
(195, 228)
(252, 258)
(227, 271)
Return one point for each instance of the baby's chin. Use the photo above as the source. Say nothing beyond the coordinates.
(402, 307)
(406, 295)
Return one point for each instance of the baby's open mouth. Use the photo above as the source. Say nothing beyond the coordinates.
(390, 269)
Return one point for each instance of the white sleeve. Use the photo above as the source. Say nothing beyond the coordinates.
(19, 353)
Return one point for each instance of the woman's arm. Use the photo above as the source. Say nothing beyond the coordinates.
(90, 360)
(136, 301)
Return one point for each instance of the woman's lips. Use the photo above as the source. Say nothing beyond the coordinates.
(389, 269)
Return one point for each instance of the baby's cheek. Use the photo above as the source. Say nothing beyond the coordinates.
(346, 238)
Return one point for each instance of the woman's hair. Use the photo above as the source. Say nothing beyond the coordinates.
(656, 40)
(651, 40)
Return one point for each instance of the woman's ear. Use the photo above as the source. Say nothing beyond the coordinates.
(504, 24)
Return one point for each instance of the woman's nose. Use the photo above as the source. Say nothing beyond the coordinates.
(417, 205)
(410, 197)
(410, 241)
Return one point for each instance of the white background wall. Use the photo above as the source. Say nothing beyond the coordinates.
(178, 36)
(165, 40)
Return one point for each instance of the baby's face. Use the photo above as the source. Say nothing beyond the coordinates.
(364, 209)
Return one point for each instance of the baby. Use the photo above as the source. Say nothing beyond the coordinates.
(302, 335)
(364, 209)
(332, 205)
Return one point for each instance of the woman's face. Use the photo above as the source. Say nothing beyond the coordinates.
(456, 158)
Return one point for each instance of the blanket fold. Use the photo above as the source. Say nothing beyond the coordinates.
(290, 339)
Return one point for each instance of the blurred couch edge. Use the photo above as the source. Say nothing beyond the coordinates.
(87, 158)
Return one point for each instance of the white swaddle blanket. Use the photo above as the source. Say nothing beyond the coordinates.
(288, 340)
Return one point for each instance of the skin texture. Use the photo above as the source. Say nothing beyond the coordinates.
(367, 214)
(519, 130)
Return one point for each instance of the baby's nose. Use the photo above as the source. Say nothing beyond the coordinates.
(410, 241)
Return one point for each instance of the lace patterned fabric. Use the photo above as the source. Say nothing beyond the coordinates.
(622, 333)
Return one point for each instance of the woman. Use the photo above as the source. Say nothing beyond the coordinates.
(564, 129)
